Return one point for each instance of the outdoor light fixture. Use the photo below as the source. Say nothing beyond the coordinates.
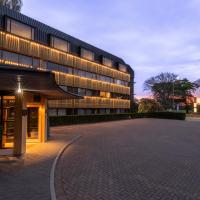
(19, 90)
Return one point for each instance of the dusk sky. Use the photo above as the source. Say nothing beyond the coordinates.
(152, 36)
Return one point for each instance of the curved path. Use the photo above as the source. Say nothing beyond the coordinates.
(144, 159)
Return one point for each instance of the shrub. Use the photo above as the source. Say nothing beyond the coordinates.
(79, 119)
(149, 105)
(160, 115)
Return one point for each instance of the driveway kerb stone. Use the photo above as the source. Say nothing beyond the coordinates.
(52, 173)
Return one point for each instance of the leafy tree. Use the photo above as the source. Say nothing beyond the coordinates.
(15, 5)
(167, 89)
(149, 105)
(198, 82)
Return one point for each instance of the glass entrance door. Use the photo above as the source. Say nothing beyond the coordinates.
(33, 122)
(1, 120)
(7, 115)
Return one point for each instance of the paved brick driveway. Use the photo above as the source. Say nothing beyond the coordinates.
(28, 179)
(144, 159)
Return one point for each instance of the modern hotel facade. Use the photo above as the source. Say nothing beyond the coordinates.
(82, 79)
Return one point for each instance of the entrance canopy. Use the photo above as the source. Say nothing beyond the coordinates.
(30, 80)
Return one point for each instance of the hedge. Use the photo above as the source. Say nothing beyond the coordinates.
(160, 115)
(79, 119)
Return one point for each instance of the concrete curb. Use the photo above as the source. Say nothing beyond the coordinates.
(53, 167)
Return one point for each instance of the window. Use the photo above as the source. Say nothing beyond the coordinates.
(70, 70)
(89, 55)
(105, 94)
(80, 111)
(12, 57)
(60, 44)
(88, 92)
(52, 112)
(81, 92)
(63, 87)
(25, 60)
(122, 67)
(62, 69)
(43, 64)
(89, 75)
(108, 62)
(71, 89)
(102, 111)
(88, 111)
(36, 63)
(19, 29)
(61, 112)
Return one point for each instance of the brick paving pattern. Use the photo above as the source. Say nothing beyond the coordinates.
(144, 159)
(28, 179)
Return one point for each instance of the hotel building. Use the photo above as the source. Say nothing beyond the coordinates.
(44, 71)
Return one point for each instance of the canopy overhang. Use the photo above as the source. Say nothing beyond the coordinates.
(30, 80)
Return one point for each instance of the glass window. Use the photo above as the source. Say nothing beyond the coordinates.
(80, 112)
(20, 29)
(61, 112)
(63, 87)
(52, 66)
(102, 111)
(62, 69)
(70, 89)
(70, 70)
(89, 55)
(25, 60)
(43, 64)
(52, 112)
(60, 44)
(105, 94)
(88, 92)
(81, 73)
(36, 63)
(94, 76)
(122, 67)
(81, 91)
(108, 62)
(88, 111)
(89, 75)
(107, 111)
(12, 57)
(118, 82)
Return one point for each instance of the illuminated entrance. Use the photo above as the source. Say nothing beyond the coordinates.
(24, 94)
(34, 125)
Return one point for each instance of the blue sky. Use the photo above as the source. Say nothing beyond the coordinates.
(152, 36)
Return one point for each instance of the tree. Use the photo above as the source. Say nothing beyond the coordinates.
(149, 105)
(198, 82)
(167, 89)
(15, 5)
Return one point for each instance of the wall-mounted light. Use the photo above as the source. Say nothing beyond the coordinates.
(19, 90)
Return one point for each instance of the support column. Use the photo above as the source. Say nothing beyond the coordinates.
(20, 125)
(43, 120)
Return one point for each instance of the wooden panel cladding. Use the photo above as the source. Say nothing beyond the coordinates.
(76, 81)
(90, 102)
(16, 44)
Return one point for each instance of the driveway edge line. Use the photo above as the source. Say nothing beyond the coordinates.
(53, 167)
